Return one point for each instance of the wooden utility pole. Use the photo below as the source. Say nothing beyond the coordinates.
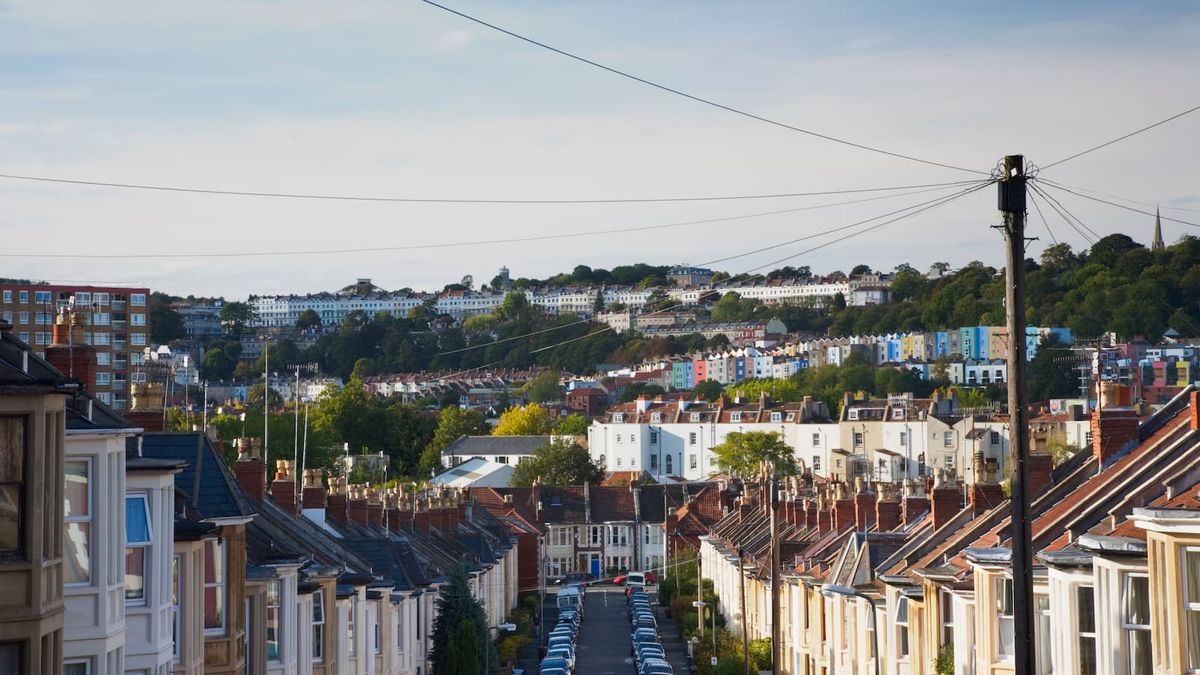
(776, 633)
(1012, 205)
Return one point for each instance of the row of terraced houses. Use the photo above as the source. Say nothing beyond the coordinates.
(888, 577)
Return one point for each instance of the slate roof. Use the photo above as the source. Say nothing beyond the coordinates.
(206, 482)
(470, 446)
(40, 375)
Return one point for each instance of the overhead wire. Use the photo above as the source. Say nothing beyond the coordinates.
(925, 207)
(447, 200)
(693, 97)
(1096, 235)
(1082, 235)
(1117, 139)
(1059, 186)
(1043, 217)
(461, 244)
(1120, 198)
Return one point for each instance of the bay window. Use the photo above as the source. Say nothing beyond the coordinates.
(77, 507)
(1135, 623)
(352, 646)
(137, 542)
(12, 482)
(318, 625)
(1085, 610)
(274, 621)
(176, 597)
(1045, 661)
(1004, 619)
(902, 628)
(214, 587)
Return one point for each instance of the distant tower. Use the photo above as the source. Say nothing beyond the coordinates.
(505, 282)
(1157, 244)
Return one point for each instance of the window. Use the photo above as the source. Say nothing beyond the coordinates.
(137, 541)
(653, 438)
(902, 628)
(273, 619)
(137, 319)
(654, 461)
(77, 506)
(24, 317)
(735, 417)
(23, 297)
(176, 596)
(692, 461)
(353, 648)
(7, 297)
(135, 338)
(670, 469)
(1004, 618)
(100, 319)
(101, 339)
(618, 438)
(946, 606)
(214, 587)
(502, 459)
(375, 625)
(656, 417)
(318, 625)
(7, 316)
(692, 438)
(43, 297)
(137, 299)
(994, 438)
(12, 483)
(103, 358)
(1085, 609)
(1135, 623)
(695, 417)
(75, 668)
(776, 417)
(816, 440)
(816, 464)
(618, 417)
(1191, 604)
(903, 439)
(948, 439)
(101, 298)
(1045, 661)
(83, 298)
(858, 439)
(103, 379)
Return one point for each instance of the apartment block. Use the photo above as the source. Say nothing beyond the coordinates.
(115, 320)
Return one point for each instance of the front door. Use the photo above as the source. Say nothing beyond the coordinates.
(595, 566)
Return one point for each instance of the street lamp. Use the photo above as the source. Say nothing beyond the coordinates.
(487, 648)
(700, 605)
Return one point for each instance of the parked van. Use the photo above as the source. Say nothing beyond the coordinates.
(570, 597)
(635, 580)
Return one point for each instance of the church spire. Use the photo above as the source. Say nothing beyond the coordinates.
(1157, 243)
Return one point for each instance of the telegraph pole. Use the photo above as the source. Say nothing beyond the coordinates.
(1012, 205)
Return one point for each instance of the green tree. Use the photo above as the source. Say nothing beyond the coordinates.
(457, 649)
(571, 425)
(308, 319)
(453, 423)
(217, 364)
(166, 324)
(631, 392)
(254, 397)
(598, 304)
(778, 390)
(709, 390)
(235, 317)
(527, 420)
(544, 387)
(560, 462)
(744, 453)
(351, 415)
(1051, 373)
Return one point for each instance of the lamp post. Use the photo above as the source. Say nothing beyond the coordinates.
(487, 648)
(832, 590)
(700, 605)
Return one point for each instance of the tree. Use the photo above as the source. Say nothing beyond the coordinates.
(571, 425)
(860, 269)
(166, 324)
(544, 387)
(217, 364)
(453, 423)
(527, 420)
(778, 390)
(709, 390)
(560, 462)
(631, 392)
(308, 319)
(235, 317)
(598, 304)
(351, 415)
(254, 396)
(743, 454)
(459, 648)
(1051, 374)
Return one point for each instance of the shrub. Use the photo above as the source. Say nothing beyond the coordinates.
(944, 663)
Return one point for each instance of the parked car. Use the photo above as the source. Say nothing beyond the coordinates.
(584, 578)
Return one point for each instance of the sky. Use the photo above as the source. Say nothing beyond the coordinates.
(401, 99)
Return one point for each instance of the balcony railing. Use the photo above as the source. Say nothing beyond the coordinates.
(119, 345)
(119, 305)
(118, 324)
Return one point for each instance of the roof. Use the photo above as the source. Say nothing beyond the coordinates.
(475, 472)
(21, 368)
(208, 484)
(471, 446)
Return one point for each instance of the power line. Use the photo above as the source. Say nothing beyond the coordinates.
(458, 244)
(927, 206)
(1118, 197)
(439, 200)
(1043, 217)
(698, 99)
(1058, 186)
(1049, 197)
(1083, 235)
(1117, 139)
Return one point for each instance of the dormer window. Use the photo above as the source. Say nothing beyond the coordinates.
(852, 414)
(791, 417)
(695, 417)
(618, 417)
(735, 417)
(656, 417)
(778, 416)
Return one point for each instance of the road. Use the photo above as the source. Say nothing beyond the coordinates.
(604, 645)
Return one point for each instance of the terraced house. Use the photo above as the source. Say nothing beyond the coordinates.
(890, 578)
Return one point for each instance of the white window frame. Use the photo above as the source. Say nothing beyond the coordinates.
(1129, 629)
(176, 600)
(137, 299)
(318, 626)
(143, 545)
(999, 587)
(137, 319)
(903, 644)
(219, 583)
(776, 417)
(1189, 608)
(735, 417)
(277, 607)
(1093, 634)
(351, 628)
(695, 417)
(86, 663)
(88, 518)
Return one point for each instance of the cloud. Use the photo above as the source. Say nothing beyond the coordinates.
(454, 40)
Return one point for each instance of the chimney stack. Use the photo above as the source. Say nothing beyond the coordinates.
(946, 500)
(356, 505)
(392, 509)
(312, 495)
(283, 488)
(915, 504)
(843, 508)
(67, 351)
(985, 493)
(1112, 430)
(1041, 472)
(336, 501)
(864, 505)
(374, 508)
(249, 471)
(887, 507)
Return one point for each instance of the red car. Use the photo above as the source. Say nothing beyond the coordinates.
(649, 577)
